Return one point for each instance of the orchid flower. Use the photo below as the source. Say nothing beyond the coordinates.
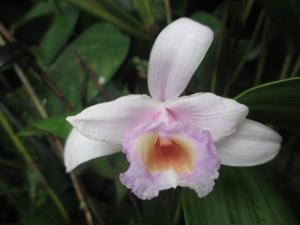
(169, 140)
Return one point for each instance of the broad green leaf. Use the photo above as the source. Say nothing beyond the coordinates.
(58, 33)
(241, 196)
(102, 48)
(56, 125)
(276, 102)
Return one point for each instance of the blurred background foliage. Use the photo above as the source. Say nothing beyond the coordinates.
(60, 56)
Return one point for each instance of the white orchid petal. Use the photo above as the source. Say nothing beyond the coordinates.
(252, 144)
(79, 149)
(109, 121)
(175, 56)
(220, 116)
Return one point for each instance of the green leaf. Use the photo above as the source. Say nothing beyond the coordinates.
(112, 13)
(276, 102)
(56, 125)
(241, 196)
(102, 48)
(109, 166)
(58, 33)
(103, 167)
(40, 9)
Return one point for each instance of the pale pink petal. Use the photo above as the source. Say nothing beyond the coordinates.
(175, 56)
(79, 149)
(194, 165)
(109, 121)
(252, 144)
(220, 116)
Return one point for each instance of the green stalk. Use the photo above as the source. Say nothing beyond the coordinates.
(168, 11)
(262, 60)
(286, 64)
(240, 66)
(113, 14)
(247, 10)
(145, 12)
(25, 153)
(296, 67)
(251, 44)
(213, 85)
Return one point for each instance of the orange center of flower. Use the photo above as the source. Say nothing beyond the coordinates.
(163, 153)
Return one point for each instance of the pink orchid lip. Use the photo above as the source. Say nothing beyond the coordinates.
(163, 153)
(163, 156)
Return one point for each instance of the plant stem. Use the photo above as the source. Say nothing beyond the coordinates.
(213, 85)
(145, 12)
(38, 104)
(286, 63)
(246, 11)
(168, 11)
(241, 64)
(55, 90)
(296, 67)
(264, 47)
(91, 74)
(52, 87)
(26, 155)
(53, 141)
(28, 86)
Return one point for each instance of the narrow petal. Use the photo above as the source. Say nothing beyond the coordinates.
(79, 149)
(175, 56)
(220, 116)
(252, 144)
(109, 121)
(164, 156)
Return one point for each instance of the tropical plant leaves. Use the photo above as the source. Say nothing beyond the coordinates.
(112, 13)
(63, 25)
(40, 9)
(56, 125)
(276, 102)
(102, 48)
(241, 196)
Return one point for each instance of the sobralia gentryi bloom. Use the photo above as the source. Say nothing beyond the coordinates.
(168, 140)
